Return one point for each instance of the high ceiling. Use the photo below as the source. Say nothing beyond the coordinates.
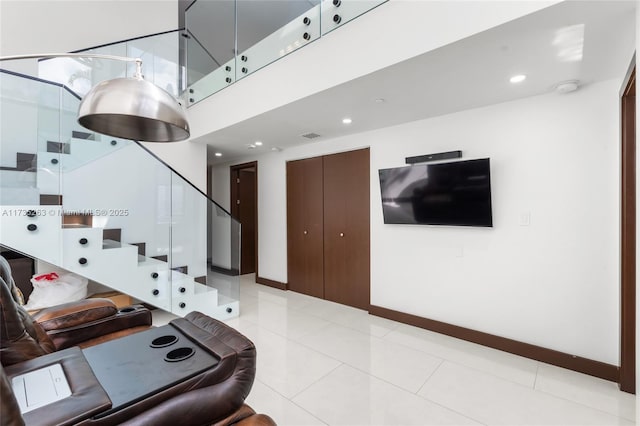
(586, 41)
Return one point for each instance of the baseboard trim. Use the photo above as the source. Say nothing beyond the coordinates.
(538, 353)
(271, 283)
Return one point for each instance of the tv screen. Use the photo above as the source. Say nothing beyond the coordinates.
(457, 193)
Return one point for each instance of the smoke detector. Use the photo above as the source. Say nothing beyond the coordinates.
(567, 86)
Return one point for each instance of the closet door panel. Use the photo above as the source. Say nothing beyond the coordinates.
(346, 222)
(295, 226)
(335, 232)
(305, 227)
(357, 217)
(314, 227)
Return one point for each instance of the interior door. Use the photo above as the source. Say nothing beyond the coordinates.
(247, 194)
(244, 210)
(346, 228)
(305, 263)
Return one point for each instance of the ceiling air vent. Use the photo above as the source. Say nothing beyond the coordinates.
(311, 135)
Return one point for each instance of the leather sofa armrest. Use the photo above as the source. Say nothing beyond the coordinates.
(87, 399)
(69, 325)
(246, 416)
(74, 313)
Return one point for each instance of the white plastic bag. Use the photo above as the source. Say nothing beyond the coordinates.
(53, 289)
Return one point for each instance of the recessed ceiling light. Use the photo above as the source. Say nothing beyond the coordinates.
(518, 78)
(379, 100)
(218, 154)
(257, 143)
(346, 120)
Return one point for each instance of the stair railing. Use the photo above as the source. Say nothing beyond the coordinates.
(108, 211)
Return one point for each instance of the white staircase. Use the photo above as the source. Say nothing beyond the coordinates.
(39, 232)
(51, 169)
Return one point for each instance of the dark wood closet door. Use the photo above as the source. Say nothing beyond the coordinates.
(304, 227)
(346, 228)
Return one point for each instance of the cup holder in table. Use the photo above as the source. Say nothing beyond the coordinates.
(179, 354)
(163, 341)
(127, 309)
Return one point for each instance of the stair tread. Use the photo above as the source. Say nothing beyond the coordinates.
(150, 261)
(111, 244)
(75, 225)
(177, 276)
(79, 134)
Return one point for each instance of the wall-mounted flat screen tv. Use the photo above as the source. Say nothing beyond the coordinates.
(457, 193)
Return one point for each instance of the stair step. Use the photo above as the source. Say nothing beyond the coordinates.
(75, 225)
(58, 147)
(181, 269)
(50, 200)
(26, 161)
(112, 244)
(114, 234)
(201, 280)
(142, 248)
(83, 135)
(163, 258)
(77, 220)
(143, 260)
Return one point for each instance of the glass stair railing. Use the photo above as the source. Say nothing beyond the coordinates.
(111, 212)
(259, 32)
(159, 54)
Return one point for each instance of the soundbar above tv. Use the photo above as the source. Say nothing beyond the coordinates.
(456, 193)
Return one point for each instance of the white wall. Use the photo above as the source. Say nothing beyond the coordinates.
(188, 158)
(553, 283)
(44, 26)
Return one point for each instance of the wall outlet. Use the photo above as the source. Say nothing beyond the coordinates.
(524, 219)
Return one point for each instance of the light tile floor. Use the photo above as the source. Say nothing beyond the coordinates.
(324, 363)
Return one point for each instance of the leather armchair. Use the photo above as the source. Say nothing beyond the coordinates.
(86, 322)
(210, 393)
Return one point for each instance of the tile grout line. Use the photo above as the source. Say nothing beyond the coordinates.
(397, 387)
(429, 377)
(435, 355)
(439, 404)
(291, 401)
(319, 378)
(534, 390)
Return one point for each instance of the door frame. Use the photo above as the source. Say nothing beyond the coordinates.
(233, 195)
(627, 378)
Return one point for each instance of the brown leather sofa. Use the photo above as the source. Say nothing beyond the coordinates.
(119, 377)
(85, 322)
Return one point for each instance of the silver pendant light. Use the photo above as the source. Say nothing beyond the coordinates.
(128, 108)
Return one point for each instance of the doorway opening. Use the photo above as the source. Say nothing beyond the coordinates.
(244, 208)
